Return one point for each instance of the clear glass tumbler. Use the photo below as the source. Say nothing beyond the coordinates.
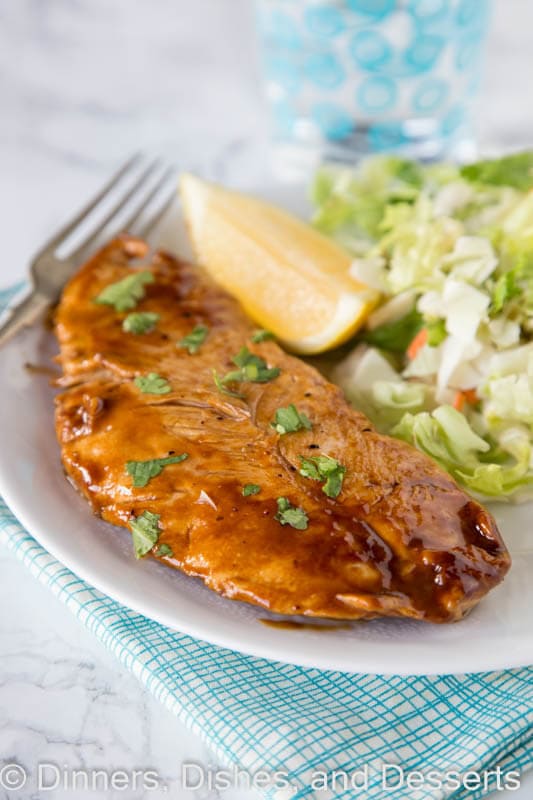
(345, 78)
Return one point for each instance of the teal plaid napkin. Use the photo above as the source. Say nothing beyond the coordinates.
(263, 715)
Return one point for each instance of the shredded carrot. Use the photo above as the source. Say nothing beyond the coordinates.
(471, 396)
(467, 396)
(459, 401)
(417, 343)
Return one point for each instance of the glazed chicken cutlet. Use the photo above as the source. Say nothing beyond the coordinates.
(235, 462)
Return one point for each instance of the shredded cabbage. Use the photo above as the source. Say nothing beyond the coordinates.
(446, 362)
(446, 436)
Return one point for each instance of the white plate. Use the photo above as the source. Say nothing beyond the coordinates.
(498, 633)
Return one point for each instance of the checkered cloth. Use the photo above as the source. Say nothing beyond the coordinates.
(307, 723)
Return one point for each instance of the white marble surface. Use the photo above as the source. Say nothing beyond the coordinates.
(82, 83)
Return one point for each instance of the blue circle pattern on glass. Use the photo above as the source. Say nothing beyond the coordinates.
(324, 70)
(377, 94)
(334, 122)
(453, 119)
(424, 52)
(282, 30)
(284, 73)
(428, 10)
(370, 50)
(376, 9)
(430, 95)
(468, 50)
(332, 62)
(467, 12)
(473, 16)
(386, 136)
(324, 21)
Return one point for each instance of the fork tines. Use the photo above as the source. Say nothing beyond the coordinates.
(134, 200)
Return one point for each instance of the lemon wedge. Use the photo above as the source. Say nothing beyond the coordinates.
(289, 278)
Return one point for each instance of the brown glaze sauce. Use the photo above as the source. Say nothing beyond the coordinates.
(42, 369)
(400, 540)
(292, 625)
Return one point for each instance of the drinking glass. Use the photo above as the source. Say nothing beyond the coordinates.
(344, 78)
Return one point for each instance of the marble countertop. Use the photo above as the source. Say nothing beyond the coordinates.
(82, 83)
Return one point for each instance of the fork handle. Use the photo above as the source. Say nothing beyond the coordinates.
(22, 313)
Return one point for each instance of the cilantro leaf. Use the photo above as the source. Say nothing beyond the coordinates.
(251, 369)
(195, 339)
(244, 359)
(333, 484)
(143, 471)
(324, 468)
(224, 389)
(289, 420)
(261, 336)
(309, 469)
(152, 384)
(395, 336)
(514, 170)
(125, 294)
(145, 532)
(291, 515)
(250, 488)
(163, 550)
(140, 322)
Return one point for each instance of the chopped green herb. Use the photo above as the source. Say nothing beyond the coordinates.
(395, 336)
(262, 336)
(291, 515)
(163, 550)
(250, 488)
(309, 469)
(125, 294)
(289, 420)
(143, 471)
(145, 532)
(195, 339)
(436, 332)
(324, 468)
(224, 389)
(251, 369)
(140, 322)
(152, 384)
(254, 368)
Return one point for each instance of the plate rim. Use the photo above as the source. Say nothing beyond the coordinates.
(261, 646)
(498, 662)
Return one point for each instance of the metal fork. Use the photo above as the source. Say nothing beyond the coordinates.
(139, 189)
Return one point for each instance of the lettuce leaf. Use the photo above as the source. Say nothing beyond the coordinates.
(505, 289)
(416, 244)
(473, 259)
(395, 336)
(488, 470)
(503, 481)
(385, 403)
(357, 198)
(508, 398)
(443, 434)
(515, 170)
(458, 244)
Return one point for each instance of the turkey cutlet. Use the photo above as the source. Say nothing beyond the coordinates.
(235, 462)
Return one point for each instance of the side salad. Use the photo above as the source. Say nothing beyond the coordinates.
(446, 362)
